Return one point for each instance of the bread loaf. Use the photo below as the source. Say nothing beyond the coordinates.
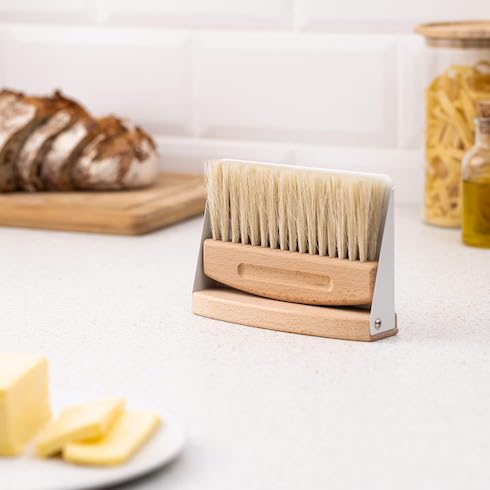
(121, 156)
(53, 143)
(64, 151)
(20, 115)
(39, 143)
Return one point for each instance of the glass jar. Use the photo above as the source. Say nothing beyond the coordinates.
(459, 70)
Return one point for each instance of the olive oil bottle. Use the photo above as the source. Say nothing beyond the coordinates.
(476, 182)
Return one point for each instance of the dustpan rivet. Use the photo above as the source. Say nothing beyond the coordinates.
(377, 323)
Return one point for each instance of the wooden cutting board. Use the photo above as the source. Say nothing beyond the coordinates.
(173, 198)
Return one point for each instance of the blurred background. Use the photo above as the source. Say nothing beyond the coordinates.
(335, 84)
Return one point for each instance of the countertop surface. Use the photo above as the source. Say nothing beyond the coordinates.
(266, 409)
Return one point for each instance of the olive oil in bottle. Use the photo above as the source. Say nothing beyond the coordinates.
(476, 183)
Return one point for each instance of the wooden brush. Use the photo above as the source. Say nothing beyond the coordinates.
(295, 235)
(302, 250)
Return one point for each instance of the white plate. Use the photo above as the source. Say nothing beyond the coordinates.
(30, 473)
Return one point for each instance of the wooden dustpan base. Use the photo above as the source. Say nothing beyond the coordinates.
(245, 309)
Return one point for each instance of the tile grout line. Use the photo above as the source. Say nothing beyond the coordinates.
(398, 85)
(193, 82)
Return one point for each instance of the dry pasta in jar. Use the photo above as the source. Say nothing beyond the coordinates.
(460, 61)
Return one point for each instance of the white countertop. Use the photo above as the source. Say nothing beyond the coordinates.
(266, 409)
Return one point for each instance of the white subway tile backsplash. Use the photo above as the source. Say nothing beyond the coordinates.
(412, 81)
(141, 74)
(405, 167)
(383, 15)
(329, 89)
(188, 155)
(197, 13)
(292, 81)
(59, 11)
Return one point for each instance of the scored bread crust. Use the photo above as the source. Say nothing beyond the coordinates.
(52, 143)
(64, 149)
(20, 115)
(121, 156)
(28, 165)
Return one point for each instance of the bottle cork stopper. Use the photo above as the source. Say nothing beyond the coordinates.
(483, 109)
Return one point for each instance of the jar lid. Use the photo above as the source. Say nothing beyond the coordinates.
(464, 34)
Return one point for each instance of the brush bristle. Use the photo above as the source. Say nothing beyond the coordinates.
(307, 211)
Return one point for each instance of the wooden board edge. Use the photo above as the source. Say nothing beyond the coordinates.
(244, 309)
(384, 335)
(142, 220)
(60, 221)
(188, 201)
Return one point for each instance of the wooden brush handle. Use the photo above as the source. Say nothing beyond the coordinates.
(290, 276)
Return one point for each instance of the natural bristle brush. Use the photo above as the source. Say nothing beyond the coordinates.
(295, 235)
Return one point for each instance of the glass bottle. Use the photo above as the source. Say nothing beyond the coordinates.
(476, 182)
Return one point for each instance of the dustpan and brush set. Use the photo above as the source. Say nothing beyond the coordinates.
(297, 249)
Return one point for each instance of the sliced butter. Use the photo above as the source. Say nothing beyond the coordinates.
(129, 433)
(88, 421)
(24, 400)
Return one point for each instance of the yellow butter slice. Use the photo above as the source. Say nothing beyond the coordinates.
(24, 400)
(88, 421)
(131, 431)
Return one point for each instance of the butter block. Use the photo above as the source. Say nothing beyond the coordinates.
(87, 421)
(131, 431)
(24, 400)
